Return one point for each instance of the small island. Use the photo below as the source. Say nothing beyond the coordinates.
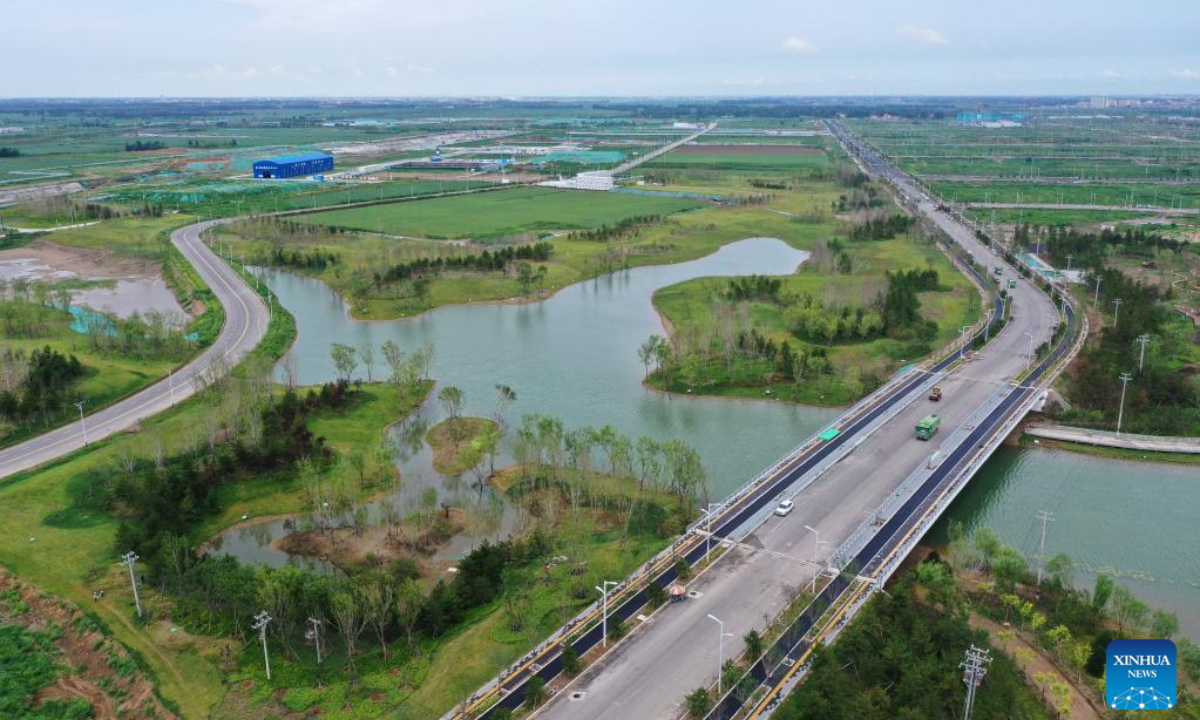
(461, 443)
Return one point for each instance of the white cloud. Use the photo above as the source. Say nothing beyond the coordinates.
(753, 82)
(1184, 73)
(799, 45)
(923, 35)
(220, 72)
(413, 67)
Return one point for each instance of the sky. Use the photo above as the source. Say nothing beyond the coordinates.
(523, 48)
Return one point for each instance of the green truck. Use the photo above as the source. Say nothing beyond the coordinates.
(928, 426)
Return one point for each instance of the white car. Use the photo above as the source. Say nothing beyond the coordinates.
(785, 508)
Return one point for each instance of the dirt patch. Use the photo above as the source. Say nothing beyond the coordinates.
(351, 548)
(84, 262)
(94, 667)
(748, 149)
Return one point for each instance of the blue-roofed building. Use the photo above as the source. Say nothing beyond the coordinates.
(286, 166)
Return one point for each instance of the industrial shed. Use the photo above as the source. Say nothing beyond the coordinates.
(286, 166)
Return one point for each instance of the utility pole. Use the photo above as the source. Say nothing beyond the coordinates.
(128, 559)
(963, 348)
(604, 623)
(82, 425)
(1045, 517)
(1125, 378)
(260, 624)
(1116, 310)
(1069, 262)
(314, 634)
(1096, 297)
(974, 670)
(1143, 339)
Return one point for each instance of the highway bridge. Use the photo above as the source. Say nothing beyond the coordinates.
(863, 497)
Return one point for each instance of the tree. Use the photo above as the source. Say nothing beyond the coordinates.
(1102, 592)
(535, 691)
(350, 620)
(570, 660)
(452, 399)
(394, 357)
(656, 595)
(378, 597)
(699, 702)
(505, 396)
(1163, 625)
(525, 278)
(410, 600)
(755, 645)
(345, 360)
(647, 353)
(1128, 609)
(366, 352)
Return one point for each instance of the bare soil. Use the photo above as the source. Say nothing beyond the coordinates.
(86, 673)
(85, 262)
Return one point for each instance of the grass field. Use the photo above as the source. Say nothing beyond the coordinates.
(731, 159)
(684, 236)
(500, 213)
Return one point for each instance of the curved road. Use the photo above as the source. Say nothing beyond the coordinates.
(246, 319)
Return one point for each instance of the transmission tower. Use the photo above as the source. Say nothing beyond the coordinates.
(974, 670)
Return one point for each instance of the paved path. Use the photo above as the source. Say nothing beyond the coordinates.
(246, 319)
(1105, 438)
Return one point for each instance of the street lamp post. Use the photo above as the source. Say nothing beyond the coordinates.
(708, 529)
(720, 648)
(82, 424)
(1030, 361)
(963, 348)
(816, 541)
(604, 623)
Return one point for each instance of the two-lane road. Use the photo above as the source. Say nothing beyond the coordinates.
(246, 319)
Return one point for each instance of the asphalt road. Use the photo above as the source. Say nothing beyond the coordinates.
(246, 319)
(677, 650)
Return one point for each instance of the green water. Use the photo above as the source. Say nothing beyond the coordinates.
(1136, 521)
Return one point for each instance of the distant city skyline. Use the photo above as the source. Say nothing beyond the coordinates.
(402, 48)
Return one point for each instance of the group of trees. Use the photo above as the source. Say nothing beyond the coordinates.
(164, 497)
(617, 231)
(499, 260)
(38, 387)
(810, 319)
(575, 462)
(9, 152)
(143, 145)
(404, 370)
(312, 259)
(1160, 399)
(1090, 249)
(880, 225)
(152, 335)
(753, 287)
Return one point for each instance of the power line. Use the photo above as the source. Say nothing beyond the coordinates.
(1045, 517)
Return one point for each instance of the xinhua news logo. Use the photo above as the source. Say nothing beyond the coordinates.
(1140, 675)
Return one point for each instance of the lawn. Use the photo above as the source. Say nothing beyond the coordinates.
(499, 214)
